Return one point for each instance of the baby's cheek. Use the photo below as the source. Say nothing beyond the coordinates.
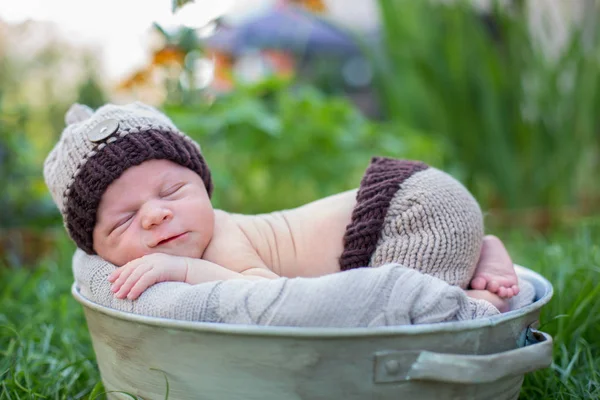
(125, 249)
(136, 249)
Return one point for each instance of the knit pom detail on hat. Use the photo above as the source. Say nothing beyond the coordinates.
(77, 113)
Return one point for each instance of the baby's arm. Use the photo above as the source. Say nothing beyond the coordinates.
(201, 271)
(136, 276)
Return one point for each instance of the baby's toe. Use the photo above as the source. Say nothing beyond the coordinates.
(516, 289)
(493, 286)
(478, 283)
(510, 292)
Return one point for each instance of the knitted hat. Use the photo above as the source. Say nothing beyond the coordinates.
(417, 216)
(97, 147)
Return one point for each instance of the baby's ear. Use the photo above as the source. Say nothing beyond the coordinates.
(77, 113)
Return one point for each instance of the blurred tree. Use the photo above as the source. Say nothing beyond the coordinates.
(519, 120)
(175, 4)
(172, 65)
(34, 96)
(90, 92)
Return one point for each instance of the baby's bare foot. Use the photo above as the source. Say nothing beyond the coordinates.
(495, 271)
(498, 302)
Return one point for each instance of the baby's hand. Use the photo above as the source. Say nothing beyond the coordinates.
(138, 275)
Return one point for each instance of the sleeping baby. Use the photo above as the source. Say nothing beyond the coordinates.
(136, 191)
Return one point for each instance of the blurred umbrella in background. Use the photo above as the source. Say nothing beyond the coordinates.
(285, 28)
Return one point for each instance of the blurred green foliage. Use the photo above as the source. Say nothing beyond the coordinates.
(89, 91)
(277, 144)
(519, 122)
(175, 4)
(15, 168)
(24, 199)
(33, 101)
(34, 97)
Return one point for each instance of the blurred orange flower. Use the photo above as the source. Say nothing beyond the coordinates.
(168, 55)
(316, 6)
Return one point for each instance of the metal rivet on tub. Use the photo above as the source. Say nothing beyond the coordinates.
(392, 367)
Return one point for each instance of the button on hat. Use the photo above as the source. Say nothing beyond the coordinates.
(103, 130)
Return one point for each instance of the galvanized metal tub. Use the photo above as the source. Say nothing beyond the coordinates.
(479, 359)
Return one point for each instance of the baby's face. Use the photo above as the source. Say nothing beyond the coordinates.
(155, 207)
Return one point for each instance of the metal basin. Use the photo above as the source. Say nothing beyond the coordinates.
(480, 359)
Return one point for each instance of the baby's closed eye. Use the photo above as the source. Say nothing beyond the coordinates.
(122, 222)
(172, 190)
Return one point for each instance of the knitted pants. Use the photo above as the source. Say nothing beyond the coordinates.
(415, 215)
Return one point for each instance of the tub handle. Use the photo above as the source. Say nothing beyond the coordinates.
(422, 365)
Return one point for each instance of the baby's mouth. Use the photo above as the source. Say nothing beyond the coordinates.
(164, 241)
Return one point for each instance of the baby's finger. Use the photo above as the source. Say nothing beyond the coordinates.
(131, 280)
(145, 281)
(126, 271)
(115, 274)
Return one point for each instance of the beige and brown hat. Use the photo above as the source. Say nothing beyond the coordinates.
(97, 147)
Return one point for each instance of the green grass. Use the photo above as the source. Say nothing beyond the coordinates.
(571, 261)
(45, 350)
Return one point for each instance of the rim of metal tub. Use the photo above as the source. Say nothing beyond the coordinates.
(321, 333)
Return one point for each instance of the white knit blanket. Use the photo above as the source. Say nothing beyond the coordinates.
(363, 297)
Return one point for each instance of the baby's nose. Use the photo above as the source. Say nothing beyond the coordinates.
(155, 215)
